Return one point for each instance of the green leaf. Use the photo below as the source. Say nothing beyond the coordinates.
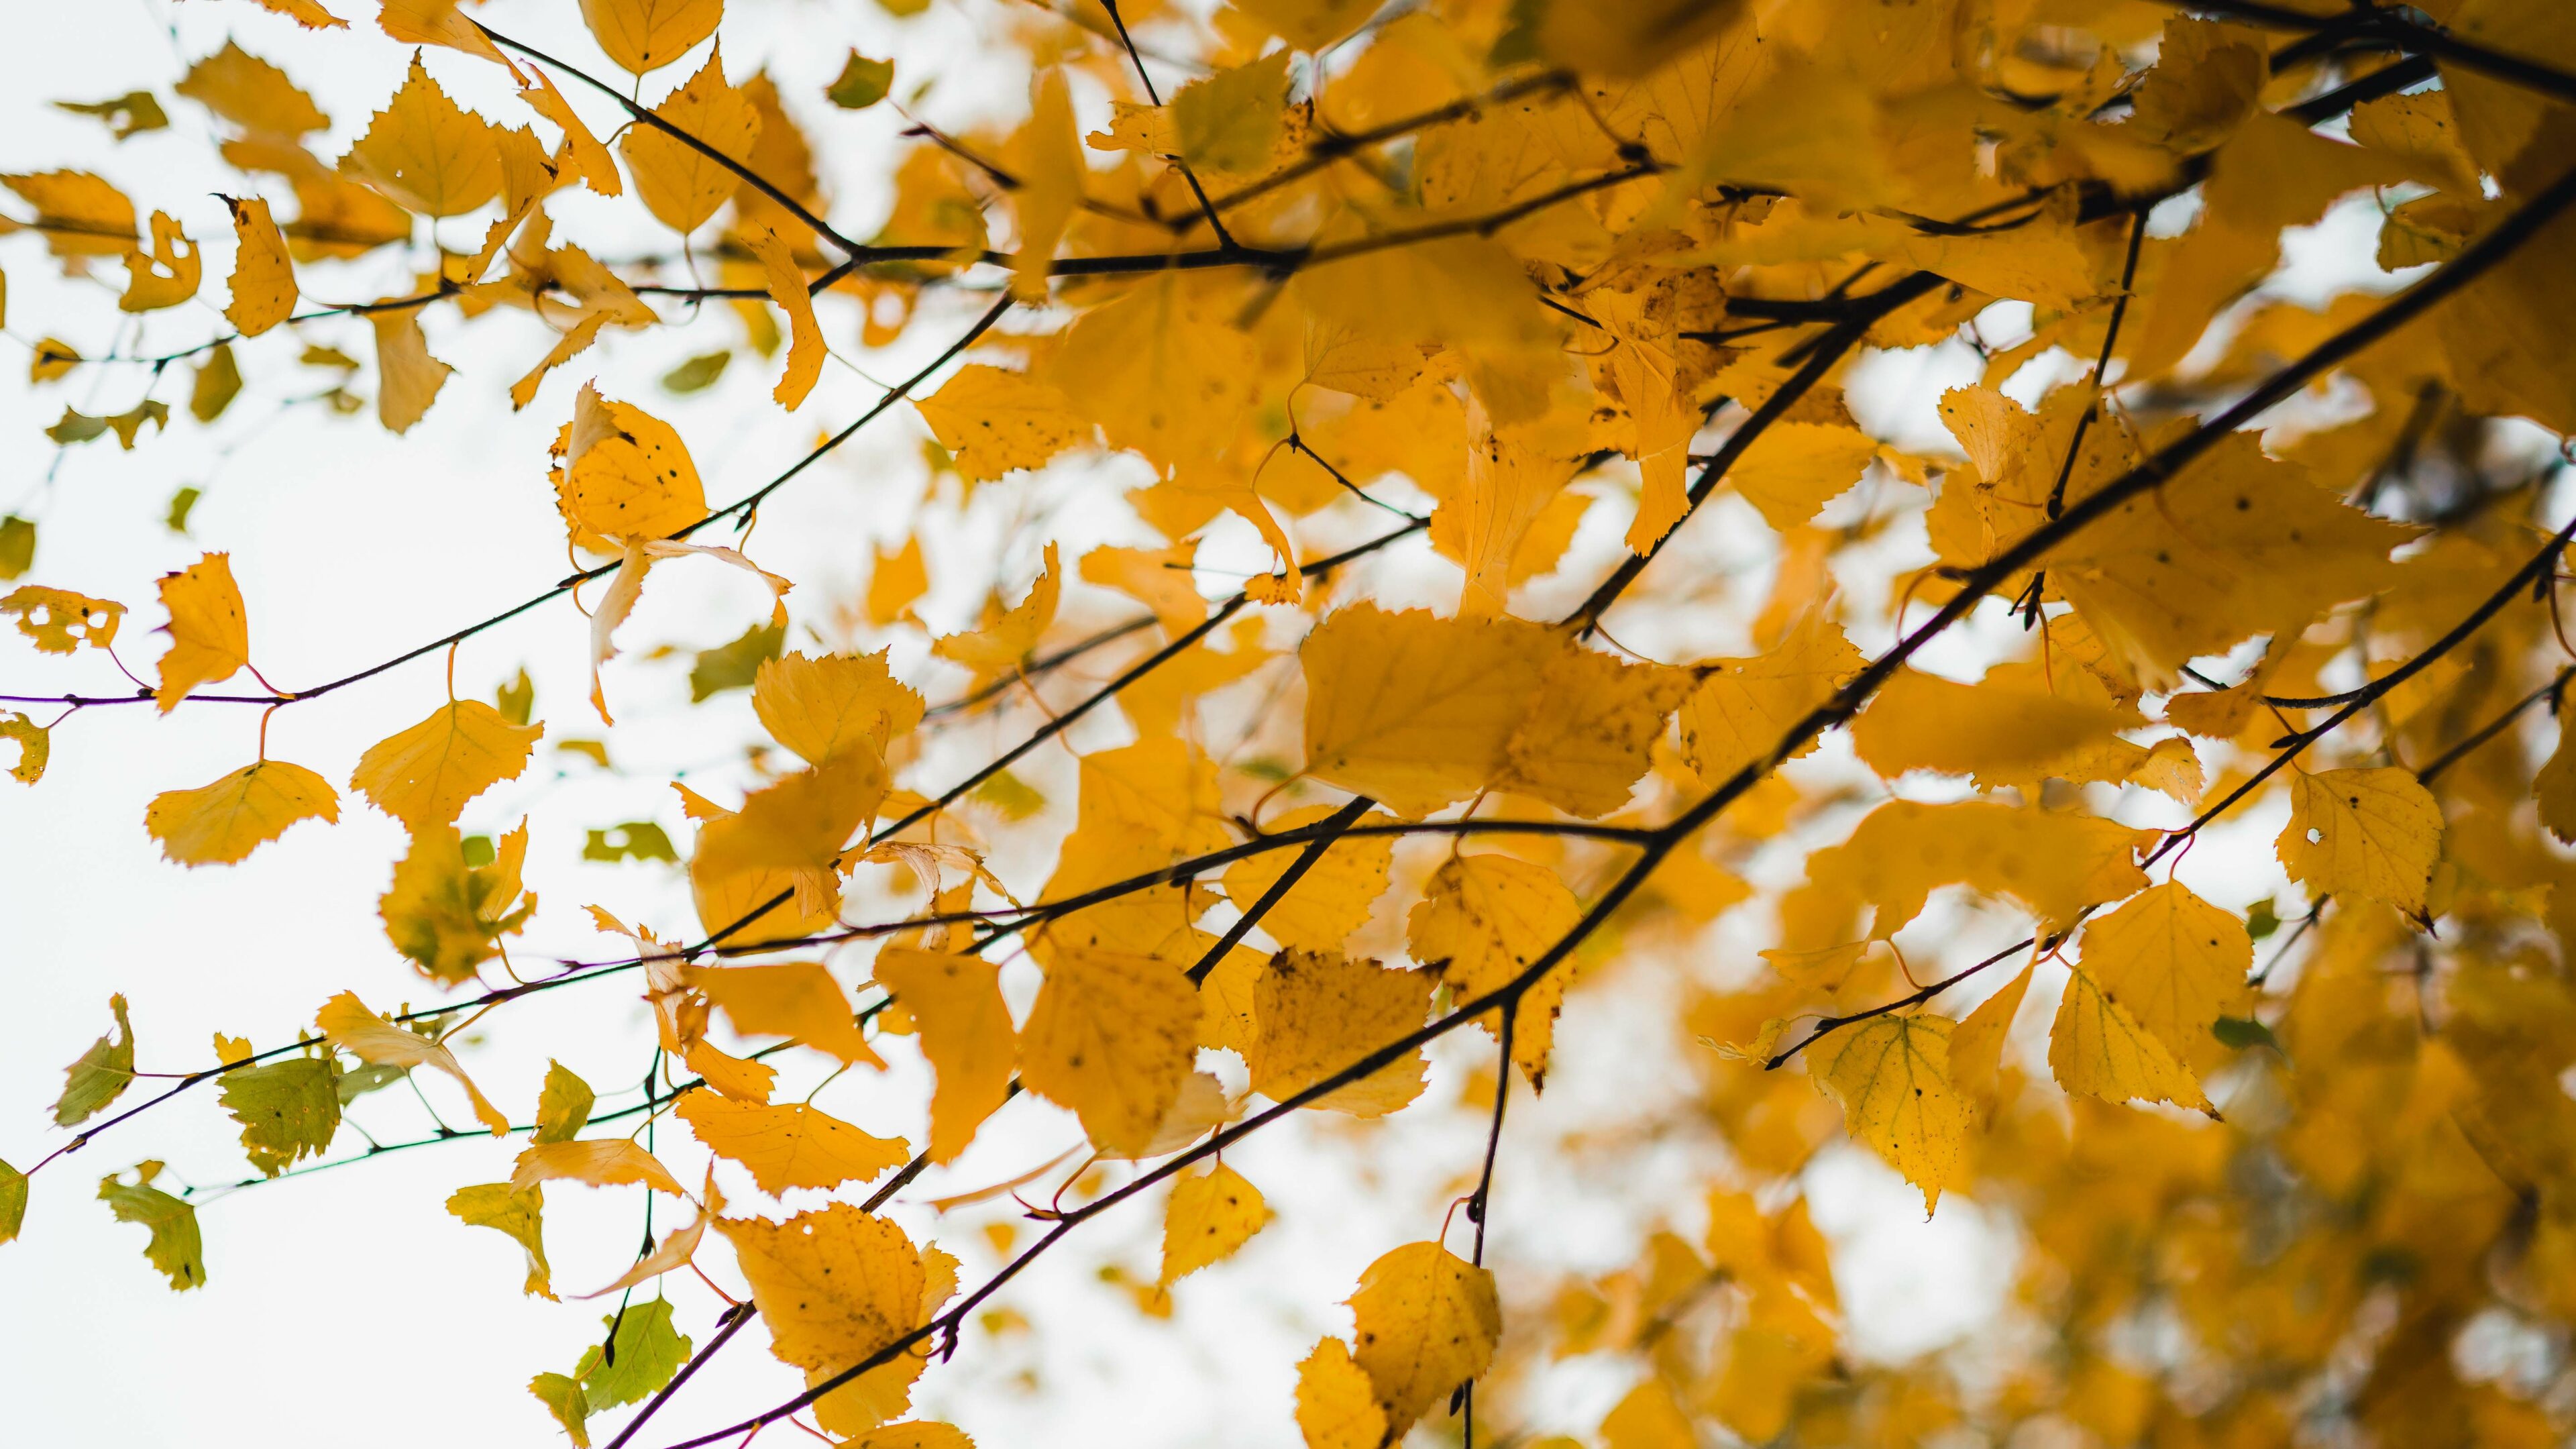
(863, 83)
(2260, 920)
(13, 1201)
(731, 666)
(647, 1352)
(101, 1074)
(219, 380)
(1011, 797)
(17, 546)
(477, 851)
(634, 840)
(76, 427)
(563, 1399)
(563, 1105)
(175, 1248)
(517, 700)
(181, 503)
(357, 1082)
(698, 373)
(517, 1215)
(125, 115)
(2239, 1032)
(288, 1110)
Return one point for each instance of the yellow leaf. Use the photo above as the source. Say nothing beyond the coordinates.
(307, 13)
(448, 917)
(1647, 1418)
(898, 579)
(35, 746)
(1920, 721)
(965, 1028)
(251, 93)
(517, 1216)
(263, 284)
(1227, 122)
(1316, 1013)
(1111, 1036)
(1743, 706)
(222, 823)
(796, 827)
(822, 708)
(1310, 25)
(2176, 964)
(1161, 368)
(1047, 158)
(61, 621)
(2368, 832)
(1158, 578)
(1328, 902)
(424, 775)
(626, 475)
(1414, 709)
(1427, 1321)
(1892, 1076)
(439, 22)
(1976, 1048)
(681, 185)
(2052, 862)
(995, 421)
(209, 634)
(997, 649)
(798, 1145)
(2499, 348)
(835, 1286)
(425, 154)
(1632, 40)
(82, 216)
(914, 1434)
(1210, 1215)
(644, 35)
(2554, 786)
(1510, 484)
(798, 999)
(407, 377)
(165, 276)
(598, 1161)
(2238, 544)
(371, 1038)
(1337, 1406)
(1794, 469)
(2099, 1048)
(1589, 735)
(590, 159)
(1480, 924)
(786, 283)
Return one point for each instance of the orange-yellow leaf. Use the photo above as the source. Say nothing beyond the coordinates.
(209, 634)
(798, 999)
(372, 1039)
(796, 1145)
(221, 823)
(598, 1161)
(965, 1028)
(424, 775)
(1337, 1406)
(1315, 1013)
(1427, 1321)
(263, 284)
(1210, 1215)
(822, 708)
(786, 283)
(2376, 833)
(425, 153)
(1414, 709)
(1892, 1076)
(995, 420)
(1111, 1036)
(680, 184)
(644, 35)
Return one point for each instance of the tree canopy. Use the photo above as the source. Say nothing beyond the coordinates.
(1583, 619)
